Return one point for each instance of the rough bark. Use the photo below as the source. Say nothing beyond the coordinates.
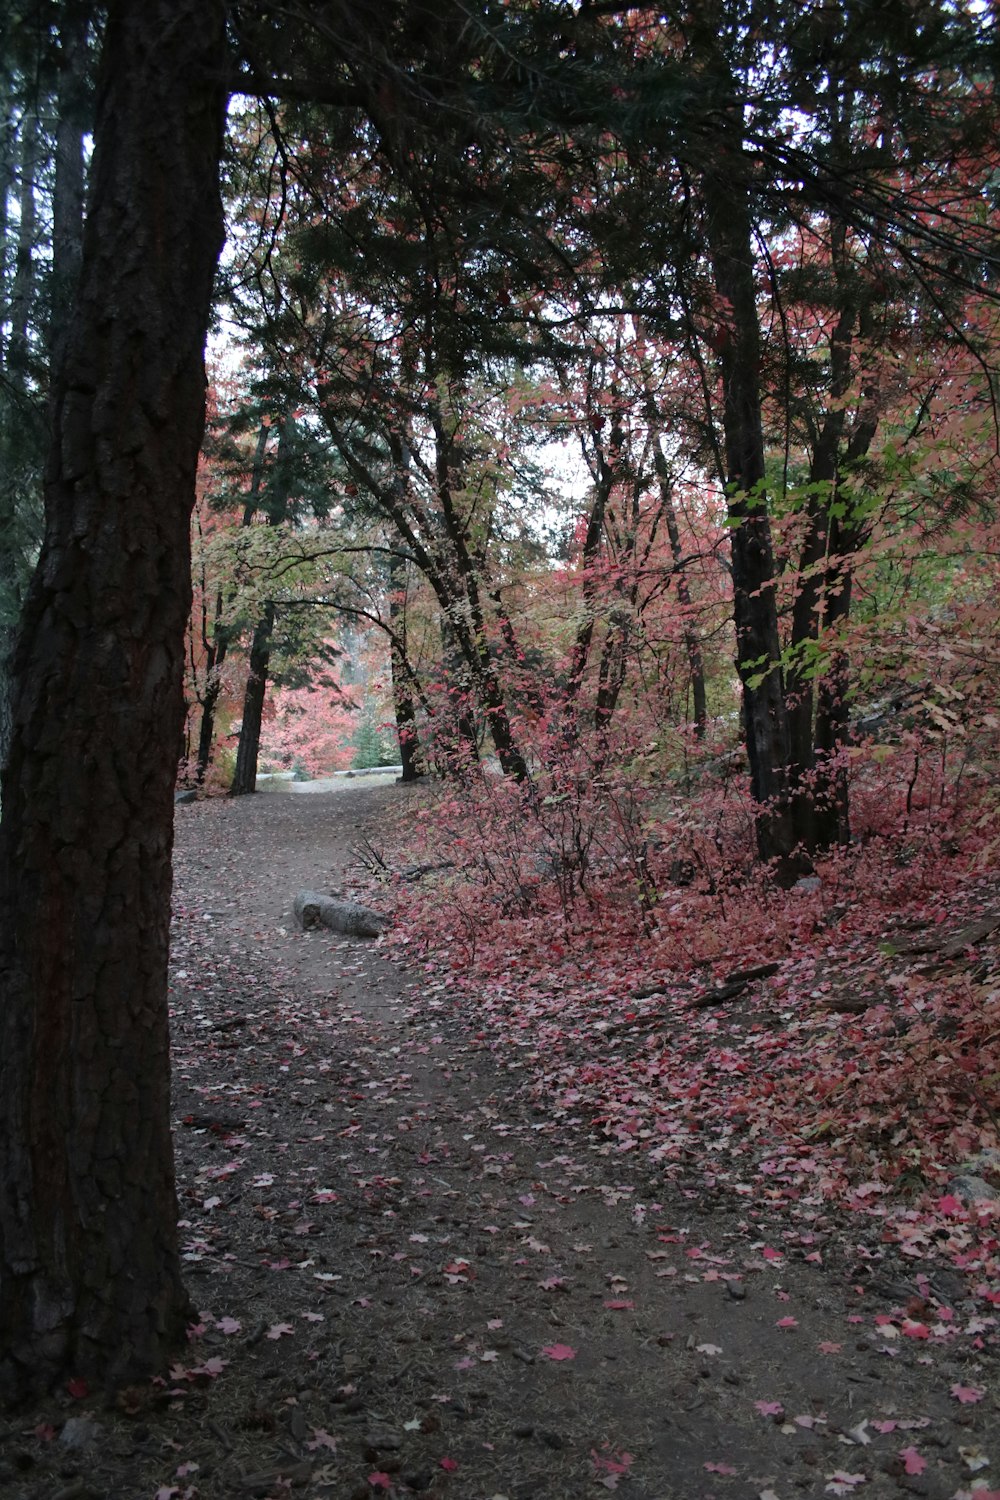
(758, 659)
(216, 648)
(245, 775)
(72, 122)
(404, 707)
(8, 178)
(90, 1280)
(313, 909)
(22, 292)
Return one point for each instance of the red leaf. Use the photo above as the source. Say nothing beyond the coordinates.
(449, 1464)
(912, 1462)
(559, 1351)
(967, 1394)
(77, 1388)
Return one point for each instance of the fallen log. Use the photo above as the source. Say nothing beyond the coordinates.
(313, 909)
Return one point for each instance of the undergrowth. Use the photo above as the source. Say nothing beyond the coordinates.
(587, 925)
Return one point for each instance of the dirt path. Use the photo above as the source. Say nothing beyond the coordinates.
(411, 1281)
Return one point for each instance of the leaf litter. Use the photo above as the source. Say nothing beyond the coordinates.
(374, 1168)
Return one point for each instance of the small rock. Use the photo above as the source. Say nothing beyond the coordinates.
(807, 883)
(984, 1161)
(383, 1440)
(737, 1290)
(972, 1189)
(79, 1432)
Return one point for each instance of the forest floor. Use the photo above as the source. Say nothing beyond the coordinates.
(413, 1277)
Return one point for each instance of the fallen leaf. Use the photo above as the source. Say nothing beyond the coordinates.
(559, 1351)
(912, 1461)
(787, 1323)
(974, 1460)
(967, 1394)
(279, 1330)
(842, 1484)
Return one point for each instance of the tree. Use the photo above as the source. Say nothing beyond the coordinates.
(46, 109)
(90, 1279)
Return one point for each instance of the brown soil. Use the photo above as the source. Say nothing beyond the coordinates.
(442, 1291)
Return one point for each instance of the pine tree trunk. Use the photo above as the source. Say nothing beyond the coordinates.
(758, 651)
(22, 291)
(215, 659)
(68, 191)
(90, 1281)
(245, 776)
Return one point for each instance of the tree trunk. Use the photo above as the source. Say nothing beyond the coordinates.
(692, 645)
(456, 739)
(217, 648)
(831, 814)
(23, 291)
(68, 190)
(245, 776)
(726, 191)
(402, 694)
(8, 178)
(215, 657)
(90, 1281)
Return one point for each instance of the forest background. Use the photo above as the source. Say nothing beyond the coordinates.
(602, 398)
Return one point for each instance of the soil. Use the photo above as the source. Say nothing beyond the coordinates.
(411, 1279)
